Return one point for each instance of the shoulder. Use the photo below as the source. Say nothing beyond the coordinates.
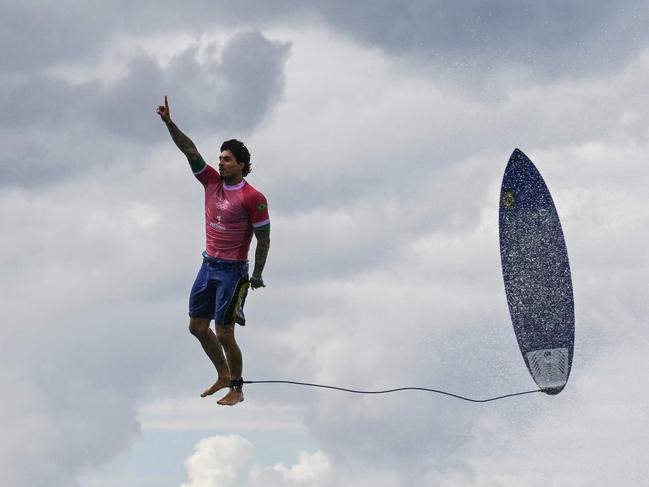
(250, 193)
(256, 205)
(208, 175)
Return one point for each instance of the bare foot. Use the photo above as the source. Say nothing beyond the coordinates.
(218, 385)
(231, 398)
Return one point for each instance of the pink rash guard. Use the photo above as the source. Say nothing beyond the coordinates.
(231, 213)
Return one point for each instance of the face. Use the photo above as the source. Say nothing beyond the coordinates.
(229, 168)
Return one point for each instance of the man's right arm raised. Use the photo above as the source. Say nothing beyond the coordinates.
(183, 142)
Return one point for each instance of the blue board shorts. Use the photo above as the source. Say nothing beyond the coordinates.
(219, 291)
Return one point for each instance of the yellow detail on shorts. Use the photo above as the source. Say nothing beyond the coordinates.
(235, 306)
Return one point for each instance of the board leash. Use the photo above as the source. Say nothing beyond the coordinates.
(238, 383)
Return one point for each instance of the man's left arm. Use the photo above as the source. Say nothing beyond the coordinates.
(262, 234)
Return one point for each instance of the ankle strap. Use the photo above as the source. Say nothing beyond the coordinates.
(236, 384)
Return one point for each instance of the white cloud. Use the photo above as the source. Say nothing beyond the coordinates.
(226, 461)
(311, 470)
(218, 461)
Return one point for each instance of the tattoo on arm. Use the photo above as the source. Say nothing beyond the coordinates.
(186, 146)
(261, 252)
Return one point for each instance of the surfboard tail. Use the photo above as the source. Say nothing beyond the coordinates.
(549, 368)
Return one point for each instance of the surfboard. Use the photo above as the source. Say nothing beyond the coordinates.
(536, 272)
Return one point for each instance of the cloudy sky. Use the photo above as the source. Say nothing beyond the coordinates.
(379, 132)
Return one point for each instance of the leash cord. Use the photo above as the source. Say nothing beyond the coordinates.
(387, 391)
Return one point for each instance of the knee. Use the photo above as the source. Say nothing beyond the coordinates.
(198, 328)
(225, 335)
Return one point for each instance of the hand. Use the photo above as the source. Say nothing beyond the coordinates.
(163, 111)
(256, 282)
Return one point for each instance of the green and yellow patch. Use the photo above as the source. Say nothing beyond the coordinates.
(509, 200)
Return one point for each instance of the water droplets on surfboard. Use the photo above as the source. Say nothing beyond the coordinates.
(536, 273)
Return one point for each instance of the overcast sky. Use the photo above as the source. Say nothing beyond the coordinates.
(379, 132)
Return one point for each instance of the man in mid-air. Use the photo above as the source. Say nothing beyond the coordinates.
(234, 210)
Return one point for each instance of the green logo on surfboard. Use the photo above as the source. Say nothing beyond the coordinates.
(509, 199)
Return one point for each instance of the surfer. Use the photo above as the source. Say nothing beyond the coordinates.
(234, 211)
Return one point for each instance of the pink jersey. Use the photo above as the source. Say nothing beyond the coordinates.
(231, 212)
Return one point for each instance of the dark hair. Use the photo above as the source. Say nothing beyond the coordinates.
(240, 153)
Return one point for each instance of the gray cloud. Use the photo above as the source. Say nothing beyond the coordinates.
(34, 35)
(59, 129)
(232, 93)
(554, 38)
(550, 38)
